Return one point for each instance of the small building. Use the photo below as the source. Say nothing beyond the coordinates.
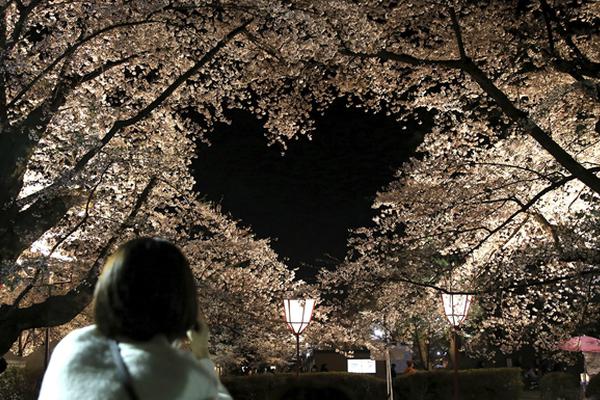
(333, 360)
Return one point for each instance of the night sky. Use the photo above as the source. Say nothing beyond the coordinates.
(307, 199)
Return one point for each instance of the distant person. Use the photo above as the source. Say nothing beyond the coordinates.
(324, 368)
(393, 371)
(410, 368)
(145, 300)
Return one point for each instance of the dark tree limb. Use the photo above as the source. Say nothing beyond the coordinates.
(526, 206)
(3, 111)
(521, 118)
(548, 24)
(526, 283)
(581, 65)
(27, 288)
(457, 33)
(145, 112)
(25, 227)
(518, 116)
(24, 12)
(70, 51)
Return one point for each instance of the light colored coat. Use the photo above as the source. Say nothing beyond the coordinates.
(82, 368)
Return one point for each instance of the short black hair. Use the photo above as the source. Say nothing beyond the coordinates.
(146, 288)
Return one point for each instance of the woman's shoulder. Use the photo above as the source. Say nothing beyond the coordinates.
(83, 345)
(83, 337)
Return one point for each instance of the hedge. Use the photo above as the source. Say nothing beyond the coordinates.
(14, 385)
(474, 384)
(560, 385)
(488, 384)
(593, 389)
(307, 386)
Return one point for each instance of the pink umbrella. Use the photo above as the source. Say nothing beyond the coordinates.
(581, 343)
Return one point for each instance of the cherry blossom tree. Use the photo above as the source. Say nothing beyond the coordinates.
(483, 208)
(94, 137)
(500, 223)
(100, 105)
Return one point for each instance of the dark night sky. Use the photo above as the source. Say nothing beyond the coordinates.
(309, 198)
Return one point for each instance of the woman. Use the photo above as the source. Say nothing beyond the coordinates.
(410, 368)
(145, 301)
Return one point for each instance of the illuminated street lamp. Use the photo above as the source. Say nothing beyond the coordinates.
(456, 308)
(298, 313)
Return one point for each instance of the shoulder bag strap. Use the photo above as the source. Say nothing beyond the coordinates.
(122, 371)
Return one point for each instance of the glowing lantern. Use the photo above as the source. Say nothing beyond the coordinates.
(298, 313)
(456, 307)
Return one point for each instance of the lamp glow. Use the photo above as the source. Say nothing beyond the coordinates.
(298, 313)
(456, 307)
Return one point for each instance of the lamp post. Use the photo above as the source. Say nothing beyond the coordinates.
(456, 307)
(298, 313)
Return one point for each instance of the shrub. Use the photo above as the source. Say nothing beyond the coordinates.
(475, 384)
(15, 386)
(488, 384)
(560, 386)
(329, 385)
(593, 389)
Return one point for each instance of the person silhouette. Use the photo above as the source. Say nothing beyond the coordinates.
(144, 302)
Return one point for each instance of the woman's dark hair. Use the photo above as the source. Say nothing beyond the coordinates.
(146, 288)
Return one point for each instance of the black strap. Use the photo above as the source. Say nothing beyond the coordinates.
(122, 371)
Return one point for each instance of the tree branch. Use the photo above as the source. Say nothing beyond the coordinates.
(57, 310)
(145, 112)
(527, 283)
(526, 123)
(527, 206)
(25, 227)
(385, 55)
(71, 50)
(583, 65)
(38, 119)
(264, 47)
(519, 167)
(24, 12)
(27, 289)
(65, 237)
(548, 24)
(457, 33)
(3, 111)
(518, 116)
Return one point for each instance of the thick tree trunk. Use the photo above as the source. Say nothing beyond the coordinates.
(423, 346)
(54, 311)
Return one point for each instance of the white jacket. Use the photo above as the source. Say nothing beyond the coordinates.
(82, 368)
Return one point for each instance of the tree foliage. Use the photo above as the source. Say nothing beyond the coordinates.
(100, 105)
